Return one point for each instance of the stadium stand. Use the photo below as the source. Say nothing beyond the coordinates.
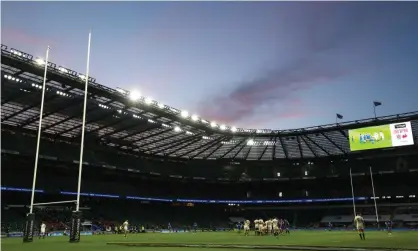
(143, 156)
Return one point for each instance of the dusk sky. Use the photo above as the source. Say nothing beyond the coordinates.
(275, 65)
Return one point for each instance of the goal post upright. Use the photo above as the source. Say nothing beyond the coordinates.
(76, 215)
(30, 217)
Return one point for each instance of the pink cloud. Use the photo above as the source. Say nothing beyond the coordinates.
(12, 36)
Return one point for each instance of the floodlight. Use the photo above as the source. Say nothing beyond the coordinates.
(134, 95)
(280, 194)
(233, 129)
(40, 61)
(213, 124)
(306, 173)
(161, 105)
(195, 118)
(222, 127)
(148, 101)
(250, 142)
(278, 174)
(122, 91)
(177, 129)
(16, 52)
(184, 114)
(82, 77)
(63, 70)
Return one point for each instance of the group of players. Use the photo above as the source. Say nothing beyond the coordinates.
(274, 227)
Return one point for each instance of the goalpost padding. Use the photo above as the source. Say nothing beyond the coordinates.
(28, 232)
(238, 246)
(75, 226)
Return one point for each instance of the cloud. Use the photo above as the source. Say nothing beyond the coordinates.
(323, 57)
(278, 86)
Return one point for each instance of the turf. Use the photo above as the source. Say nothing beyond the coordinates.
(399, 240)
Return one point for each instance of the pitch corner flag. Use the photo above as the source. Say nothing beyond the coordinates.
(339, 116)
(377, 103)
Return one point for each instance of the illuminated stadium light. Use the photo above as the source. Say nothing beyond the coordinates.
(135, 116)
(205, 137)
(280, 194)
(82, 77)
(161, 105)
(259, 131)
(36, 86)
(122, 91)
(189, 133)
(306, 173)
(195, 118)
(13, 78)
(148, 101)
(184, 114)
(177, 129)
(40, 61)
(222, 127)
(213, 124)
(165, 125)
(205, 121)
(233, 129)
(62, 93)
(151, 121)
(269, 143)
(134, 95)
(250, 142)
(18, 53)
(62, 69)
(119, 111)
(174, 110)
(412, 196)
(399, 197)
(278, 174)
(104, 106)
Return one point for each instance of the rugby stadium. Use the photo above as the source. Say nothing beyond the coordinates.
(185, 182)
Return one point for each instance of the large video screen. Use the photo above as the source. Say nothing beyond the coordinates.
(374, 137)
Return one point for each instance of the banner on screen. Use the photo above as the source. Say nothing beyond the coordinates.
(374, 137)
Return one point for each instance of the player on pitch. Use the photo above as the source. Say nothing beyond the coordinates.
(359, 221)
(125, 228)
(42, 234)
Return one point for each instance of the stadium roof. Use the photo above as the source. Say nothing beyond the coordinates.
(133, 123)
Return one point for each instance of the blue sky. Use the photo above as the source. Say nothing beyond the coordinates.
(272, 65)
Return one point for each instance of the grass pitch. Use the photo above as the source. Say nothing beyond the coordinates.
(399, 241)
